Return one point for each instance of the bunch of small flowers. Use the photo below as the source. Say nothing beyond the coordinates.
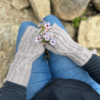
(45, 36)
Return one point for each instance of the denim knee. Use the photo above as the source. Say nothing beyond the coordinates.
(50, 17)
(25, 24)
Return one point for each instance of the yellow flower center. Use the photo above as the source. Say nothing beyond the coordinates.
(50, 35)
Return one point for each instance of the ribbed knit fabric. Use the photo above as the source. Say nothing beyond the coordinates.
(28, 51)
(66, 46)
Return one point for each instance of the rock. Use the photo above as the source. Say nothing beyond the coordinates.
(41, 8)
(1, 83)
(98, 52)
(69, 28)
(20, 4)
(89, 32)
(4, 80)
(68, 9)
(10, 20)
(96, 4)
(10, 16)
(8, 37)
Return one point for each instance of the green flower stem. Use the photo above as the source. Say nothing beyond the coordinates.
(44, 41)
(46, 55)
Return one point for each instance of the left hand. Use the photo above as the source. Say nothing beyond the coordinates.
(28, 48)
(28, 51)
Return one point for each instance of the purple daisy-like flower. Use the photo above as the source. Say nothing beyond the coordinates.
(38, 39)
(47, 25)
(47, 37)
(50, 34)
(52, 42)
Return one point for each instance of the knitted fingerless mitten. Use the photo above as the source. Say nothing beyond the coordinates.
(28, 51)
(66, 46)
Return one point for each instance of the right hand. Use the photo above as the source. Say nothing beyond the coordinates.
(64, 42)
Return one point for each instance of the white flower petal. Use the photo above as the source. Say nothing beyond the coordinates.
(50, 35)
(38, 39)
(52, 42)
(47, 37)
(47, 25)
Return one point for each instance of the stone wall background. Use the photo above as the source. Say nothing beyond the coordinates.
(14, 12)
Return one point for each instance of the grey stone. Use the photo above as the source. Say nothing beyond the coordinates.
(10, 20)
(1, 83)
(70, 29)
(96, 4)
(68, 9)
(41, 8)
(10, 16)
(89, 32)
(8, 36)
(20, 4)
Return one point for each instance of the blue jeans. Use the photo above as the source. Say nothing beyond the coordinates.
(58, 67)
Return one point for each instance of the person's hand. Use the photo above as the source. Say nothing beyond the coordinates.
(28, 51)
(28, 48)
(66, 46)
(64, 42)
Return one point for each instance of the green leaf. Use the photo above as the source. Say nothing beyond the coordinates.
(40, 31)
(44, 40)
(90, 48)
(77, 19)
(84, 18)
(73, 20)
(84, 13)
(41, 41)
(44, 57)
(77, 24)
(73, 24)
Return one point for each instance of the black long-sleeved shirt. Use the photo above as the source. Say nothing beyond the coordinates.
(59, 89)
(93, 67)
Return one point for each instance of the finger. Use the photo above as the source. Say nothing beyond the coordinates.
(44, 44)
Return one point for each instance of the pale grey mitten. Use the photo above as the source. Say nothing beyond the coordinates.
(66, 46)
(28, 51)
